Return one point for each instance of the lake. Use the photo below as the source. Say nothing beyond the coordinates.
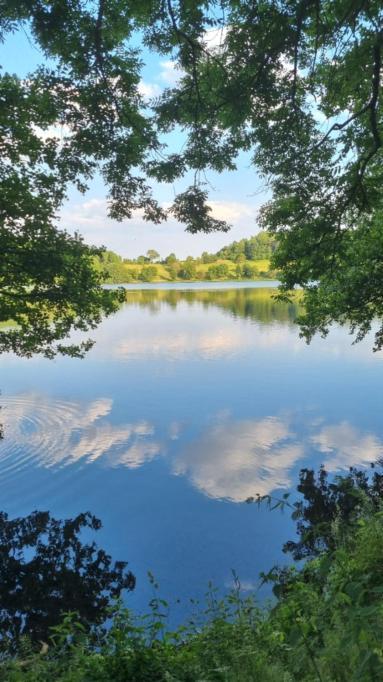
(194, 398)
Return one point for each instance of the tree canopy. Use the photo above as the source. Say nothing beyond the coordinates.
(296, 84)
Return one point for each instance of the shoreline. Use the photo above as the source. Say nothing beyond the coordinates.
(197, 284)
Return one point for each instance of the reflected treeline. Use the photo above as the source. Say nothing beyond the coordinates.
(256, 304)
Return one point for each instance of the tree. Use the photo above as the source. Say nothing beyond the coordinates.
(77, 114)
(46, 570)
(207, 257)
(219, 271)
(148, 273)
(188, 269)
(152, 255)
(250, 271)
(113, 267)
(295, 84)
(299, 85)
(326, 501)
(171, 259)
(238, 271)
(49, 286)
(173, 271)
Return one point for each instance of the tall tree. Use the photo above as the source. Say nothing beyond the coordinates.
(298, 85)
(78, 113)
(152, 255)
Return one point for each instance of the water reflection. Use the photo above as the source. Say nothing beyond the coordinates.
(236, 459)
(230, 459)
(206, 345)
(343, 446)
(257, 304)
(177, 324)
(187, 399)
(53, 434)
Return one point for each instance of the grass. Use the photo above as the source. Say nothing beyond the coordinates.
(132, 271)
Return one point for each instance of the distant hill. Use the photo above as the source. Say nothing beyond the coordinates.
(247, 259)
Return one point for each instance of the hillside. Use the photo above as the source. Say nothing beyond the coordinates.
(248, 259)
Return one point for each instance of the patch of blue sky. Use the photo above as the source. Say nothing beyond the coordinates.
(235, 196)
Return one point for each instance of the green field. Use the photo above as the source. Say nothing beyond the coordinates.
(126, 272)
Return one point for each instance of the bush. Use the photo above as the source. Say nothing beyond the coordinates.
(250, 271)
(188, 270)
(172, 271)
(148, 273)
(219, 271)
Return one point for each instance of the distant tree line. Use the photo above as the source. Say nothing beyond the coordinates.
(238, 260)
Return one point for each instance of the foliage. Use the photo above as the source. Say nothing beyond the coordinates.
(48, 287)
(220, 271)
(250, 271)
(260, 246)
(220, 265)
(325, 502)
(242, 302)
(59, 126)
(46, 570)
(297, 85)
(171, 259)
(152, 255)
(187, 270)
(112, 267)
(324, 626)
(172, 271)
(148, 273)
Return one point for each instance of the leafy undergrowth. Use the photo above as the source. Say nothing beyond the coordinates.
(325, 625)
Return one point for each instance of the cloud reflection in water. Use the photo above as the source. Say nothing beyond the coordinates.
(56, 433)
(237, 459)
(232, 459)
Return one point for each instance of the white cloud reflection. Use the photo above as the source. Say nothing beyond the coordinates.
(237, 459)
(207, 345)
(343, 446)
(231, 459)
(58, 433)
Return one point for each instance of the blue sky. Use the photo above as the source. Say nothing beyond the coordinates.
(234, 196)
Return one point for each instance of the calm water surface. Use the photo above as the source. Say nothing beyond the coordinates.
(192, 400)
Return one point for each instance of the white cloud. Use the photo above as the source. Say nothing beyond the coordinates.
(235, 460)
(232, 459)
(175, 429)
(233, 211)
(149, 90)
(170, 73)
(135, 236)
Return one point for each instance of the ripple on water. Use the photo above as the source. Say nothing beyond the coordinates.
(49, 433)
